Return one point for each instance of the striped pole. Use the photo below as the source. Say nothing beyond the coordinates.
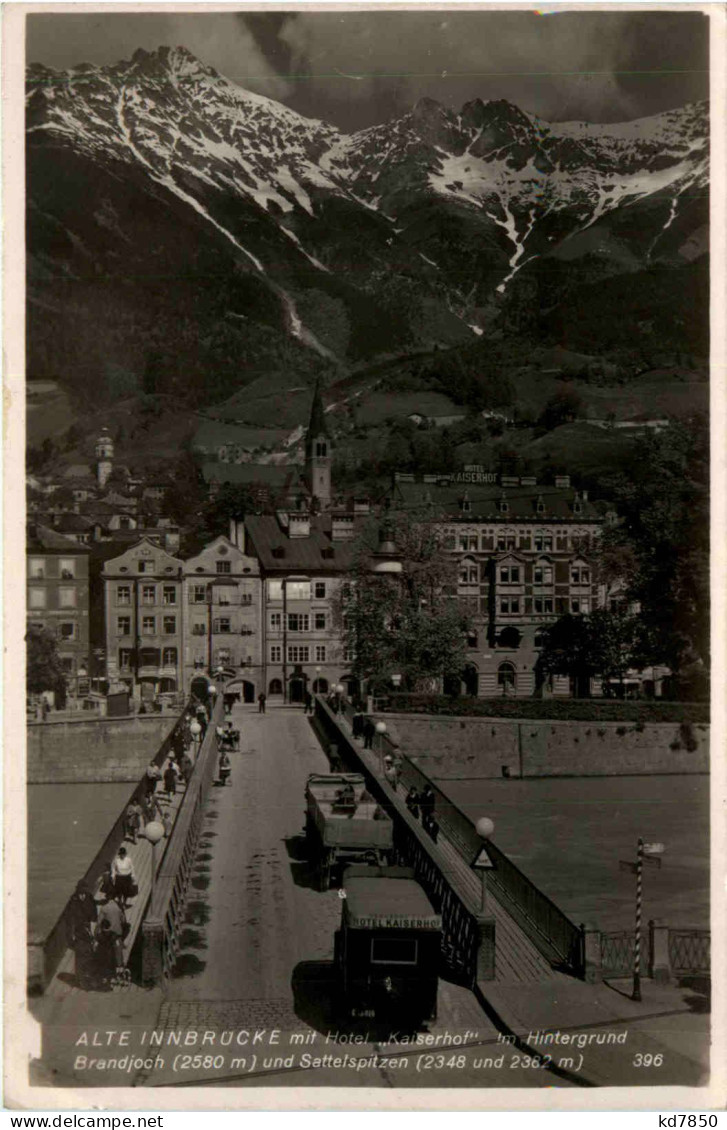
(636, 994)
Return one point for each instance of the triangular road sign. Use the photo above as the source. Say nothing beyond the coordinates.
(482, 860)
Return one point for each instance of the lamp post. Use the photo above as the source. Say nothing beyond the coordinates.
(339, 688)
(317, 687)
(195, 730)
(484, 828)
(154, 832)
(380, 729)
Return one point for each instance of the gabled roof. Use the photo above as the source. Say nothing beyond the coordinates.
(444, 502)
(315, 553)
(72, 524)
(163, 561)
(207, 556)
(44, 538)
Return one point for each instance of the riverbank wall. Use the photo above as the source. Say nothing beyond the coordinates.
(463, 748)
(94, 750)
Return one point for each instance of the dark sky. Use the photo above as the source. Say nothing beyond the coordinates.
(358, 68)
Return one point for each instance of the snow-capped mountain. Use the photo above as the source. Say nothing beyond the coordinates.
(411, 233)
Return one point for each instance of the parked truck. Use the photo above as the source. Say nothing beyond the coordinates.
(387, 950)
(345, 824)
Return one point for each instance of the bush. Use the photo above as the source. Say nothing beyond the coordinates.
(558, 710)
(687, 737)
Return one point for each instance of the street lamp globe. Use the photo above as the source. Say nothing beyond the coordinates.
(380, 727)
(154, 831)
(339, 688)
(484, 827)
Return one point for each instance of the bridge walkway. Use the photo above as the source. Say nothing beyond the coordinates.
(517, 960)
(64, 981)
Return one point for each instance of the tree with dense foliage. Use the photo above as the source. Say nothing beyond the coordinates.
(43, 666)
(663, 531)
(408, 623)
(563, 407)
(605, 643)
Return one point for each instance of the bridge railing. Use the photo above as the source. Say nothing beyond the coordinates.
(558, 938)
(45, 954)
(164, 920)
(671, 951)
(460, 921)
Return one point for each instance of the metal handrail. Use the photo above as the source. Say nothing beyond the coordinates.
(160, 927)
(506, 879)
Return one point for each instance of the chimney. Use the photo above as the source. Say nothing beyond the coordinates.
(299, 525)
(237, 533)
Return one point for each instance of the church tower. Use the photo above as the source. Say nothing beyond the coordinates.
(104, 457)
(318, 453)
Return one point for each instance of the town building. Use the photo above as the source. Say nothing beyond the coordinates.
(58, 599)
(524, 553)
(143, 611)
(304, 558)
(222, 621)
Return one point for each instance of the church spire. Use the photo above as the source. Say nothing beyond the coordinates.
(317, 423)
(318, 452)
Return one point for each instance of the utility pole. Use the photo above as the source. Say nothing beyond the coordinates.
(285, 639)
(209, 627)
(636, 994)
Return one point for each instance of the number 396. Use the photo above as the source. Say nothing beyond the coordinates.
(646, 1059)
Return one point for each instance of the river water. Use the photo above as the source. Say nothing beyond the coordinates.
(67, 824)
(568, 834)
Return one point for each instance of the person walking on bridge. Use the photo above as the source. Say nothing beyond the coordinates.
(426, 804)
(81, 919)
(122, 872)
(110, 932)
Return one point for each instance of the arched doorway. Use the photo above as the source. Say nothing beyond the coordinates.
(320, 686)
(506, 678)
(244, 688)
(452, 685)
(471, 679)
(276, 686)
(509, 637)
(200, 687)
(296, 689)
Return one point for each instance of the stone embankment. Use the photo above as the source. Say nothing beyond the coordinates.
(94, 750)
(450, 747)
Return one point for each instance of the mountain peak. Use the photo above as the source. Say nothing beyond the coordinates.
(177, 61)
(426, 107)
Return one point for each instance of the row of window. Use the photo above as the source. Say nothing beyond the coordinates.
(298, 653)
(38, 598)
(148, 657)
(148, 594)
(198, 594)
(513, 574)
(65, 630)
(511, 605)
(37, 568)
(298, 590)
(299, 621)
(148, 625)
(485, 542)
